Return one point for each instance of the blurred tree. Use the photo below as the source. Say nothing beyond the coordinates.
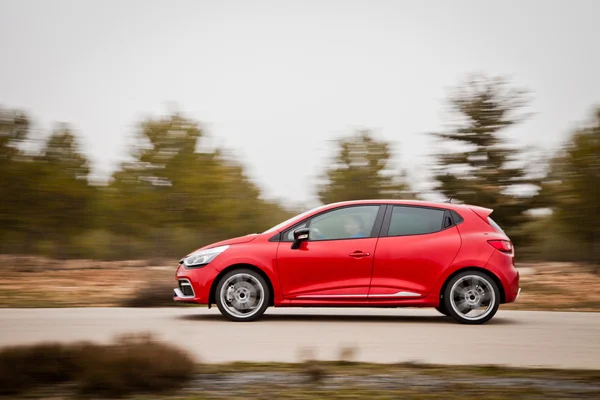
(574, 187)
(170, 187)
(361, 170)
(62, 189)
(14, 129)
(16, 173)
(482, 169)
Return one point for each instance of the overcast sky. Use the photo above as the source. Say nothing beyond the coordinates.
(274, 81)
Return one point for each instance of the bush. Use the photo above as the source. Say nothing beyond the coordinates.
(155, 293)
(23, 367)
(132, 364)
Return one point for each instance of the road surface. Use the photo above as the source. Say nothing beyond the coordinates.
(518, 338)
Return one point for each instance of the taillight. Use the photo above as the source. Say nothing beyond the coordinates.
(504, 246)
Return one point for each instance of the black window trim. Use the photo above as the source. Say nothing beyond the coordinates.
(388, 218)
(375, 232)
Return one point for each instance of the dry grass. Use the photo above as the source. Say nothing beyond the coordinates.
(558, 286)
(39, 282)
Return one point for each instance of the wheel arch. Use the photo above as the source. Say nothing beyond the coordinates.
(213, 287)
(487, 272)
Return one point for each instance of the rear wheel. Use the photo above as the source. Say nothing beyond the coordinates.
(242, 295)
(471, 297)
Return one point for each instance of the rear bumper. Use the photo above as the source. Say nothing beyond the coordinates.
(502, 266)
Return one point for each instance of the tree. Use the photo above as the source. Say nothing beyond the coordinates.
(174, 185)
(574, 186)
(62, 189)
(482, 169)
(16, 175)
(361, 170)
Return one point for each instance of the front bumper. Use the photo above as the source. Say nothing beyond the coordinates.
(185, 291)
(194, 284)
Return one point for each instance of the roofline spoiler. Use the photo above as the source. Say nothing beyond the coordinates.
(482, 212)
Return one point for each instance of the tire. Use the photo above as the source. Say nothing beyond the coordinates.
(468, 290)
(242, 295)
(442, 309)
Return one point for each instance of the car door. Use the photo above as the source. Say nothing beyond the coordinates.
(337, 259)
(416, 245)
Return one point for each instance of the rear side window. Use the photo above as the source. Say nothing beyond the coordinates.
(415, 221)
(495, 225)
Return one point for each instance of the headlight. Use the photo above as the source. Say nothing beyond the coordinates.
(203, 257)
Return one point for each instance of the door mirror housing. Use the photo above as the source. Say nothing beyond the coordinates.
(300, 235)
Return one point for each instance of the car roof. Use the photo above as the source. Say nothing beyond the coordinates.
(422, 203)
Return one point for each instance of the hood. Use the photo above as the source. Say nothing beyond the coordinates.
(236, 240)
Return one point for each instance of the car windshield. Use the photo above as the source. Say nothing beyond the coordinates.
(291, 220)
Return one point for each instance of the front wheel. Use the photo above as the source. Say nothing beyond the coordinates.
(472, 297)
(442, 309)
(242, 295)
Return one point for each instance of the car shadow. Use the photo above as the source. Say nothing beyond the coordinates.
(345, 318)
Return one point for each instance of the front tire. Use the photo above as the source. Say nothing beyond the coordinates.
(242, 295)
(442, 309)
(472, 297)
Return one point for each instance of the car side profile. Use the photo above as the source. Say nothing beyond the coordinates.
(369, 253)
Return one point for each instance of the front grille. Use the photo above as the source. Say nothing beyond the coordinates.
(186, 287)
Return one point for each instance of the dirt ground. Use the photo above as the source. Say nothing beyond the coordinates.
(38, 282)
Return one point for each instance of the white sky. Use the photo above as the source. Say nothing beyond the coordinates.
(274, 81)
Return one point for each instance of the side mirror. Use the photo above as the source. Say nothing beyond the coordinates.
(300, 235)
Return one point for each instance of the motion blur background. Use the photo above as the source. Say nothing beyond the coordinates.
(134, 132)
(144, 129)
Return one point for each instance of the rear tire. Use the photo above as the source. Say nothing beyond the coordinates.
(471, 297)
(242, 295)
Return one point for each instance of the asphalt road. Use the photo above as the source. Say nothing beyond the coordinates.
(519, 338)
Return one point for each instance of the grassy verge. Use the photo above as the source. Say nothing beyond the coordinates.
(347, 380)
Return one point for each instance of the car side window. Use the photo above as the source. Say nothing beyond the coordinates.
(415, 221)
(344, 223)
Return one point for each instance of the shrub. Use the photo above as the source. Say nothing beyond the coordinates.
(132, 364)
(312, 369)
(347, 355)
(23, 367)
(155, 293)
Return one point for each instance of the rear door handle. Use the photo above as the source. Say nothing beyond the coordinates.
(359, 254)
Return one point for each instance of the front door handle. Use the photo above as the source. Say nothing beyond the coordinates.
(359, 254)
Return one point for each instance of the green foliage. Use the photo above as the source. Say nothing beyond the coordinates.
(480, 169)
(173, 196)
(361, 170)
(574, 187)
(14, 129)
(171, 187)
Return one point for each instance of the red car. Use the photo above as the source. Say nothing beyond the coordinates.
(369, 253)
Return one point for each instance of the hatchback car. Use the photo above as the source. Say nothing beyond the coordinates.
(370, 253)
